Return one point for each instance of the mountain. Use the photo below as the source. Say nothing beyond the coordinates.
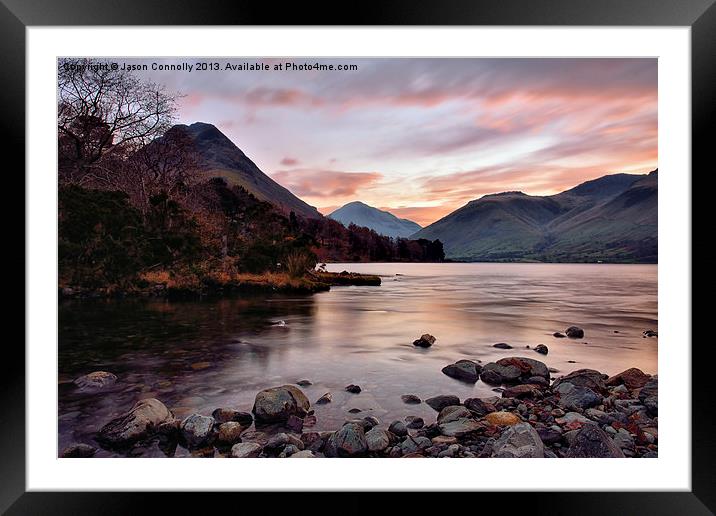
(380, 221)
(613, 219)
(219, 157)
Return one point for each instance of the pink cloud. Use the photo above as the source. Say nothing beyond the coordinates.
(325, 183)
(289, 162)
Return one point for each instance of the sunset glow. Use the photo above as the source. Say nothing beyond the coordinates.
(422, 137)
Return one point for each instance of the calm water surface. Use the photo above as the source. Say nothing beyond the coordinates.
(197, 356)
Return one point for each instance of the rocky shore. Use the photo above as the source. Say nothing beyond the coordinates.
(213, 286)
(533, 414)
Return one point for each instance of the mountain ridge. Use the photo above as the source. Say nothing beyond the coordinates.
(381, 221)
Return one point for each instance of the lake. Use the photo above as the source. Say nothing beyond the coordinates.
(195, 356)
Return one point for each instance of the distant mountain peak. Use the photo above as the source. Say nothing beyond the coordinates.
(380, 221)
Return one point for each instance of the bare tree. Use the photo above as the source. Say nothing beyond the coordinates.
(105, 115)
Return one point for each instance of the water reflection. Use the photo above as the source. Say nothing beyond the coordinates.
(196, 356)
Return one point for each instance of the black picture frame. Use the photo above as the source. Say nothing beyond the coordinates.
(16, 15)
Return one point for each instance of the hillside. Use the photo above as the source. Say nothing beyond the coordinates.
(610, 219)
(382, 222)
(219, 157)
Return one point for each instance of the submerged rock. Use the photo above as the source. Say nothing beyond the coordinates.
(278, 403)
(542, 349)
(425, 341)
(438, 403)
(137, 424)
(558, 335)
(326, 398)
(463, 370)
(519, 441)
(95, 381)
(355, 389)
(502, 345)
(593, 442)
(410, 399)
(574, 332)
(304, 383)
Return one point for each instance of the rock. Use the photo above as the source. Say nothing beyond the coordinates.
(649, 396)
(312, 441)
(494, 373)
(95, 381)
(137, 424)
(398, 428)
(304, 454)
(78, 451)
(288, 451)
(574, 332)
(549, 435)
(230, 432)
(278, 403)
(490, 376)
(519, 441)
(326, 398)
(197, 430)
(522, 391)
(502, 345)
(479, 407)
(502, 419)
(414, 422)
(570, 418)
(377, 440)
(246, 450)
(304, 383)
(369, 422)
(632, 378)
(592, 442)
(542, 349)
(513, 370)
(576, 397)
(224, 415)
(254, 436)
(539, 381)
(584, 378)
(410, 399)
(558, 335)
(624, 440)
(650, 333)
(355, 389)
(348, 441)
(438, 403)
(282, 439)
(620, 389)
(294, 423)
(354, 411)
(463, 370)
(425, 341)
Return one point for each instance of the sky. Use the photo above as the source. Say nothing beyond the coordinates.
(422, 137)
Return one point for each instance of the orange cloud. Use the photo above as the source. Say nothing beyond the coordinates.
(325, 183)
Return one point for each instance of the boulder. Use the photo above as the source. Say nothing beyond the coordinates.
(574, 332)
(438, 403)
(542, 349)
(410, 399)
(632, 378)
(95, 381)
(246, 450)
(519, 441)
(137, 424)
(197, 430)
(414, 422)
(230, 432)
(502, 419)
(459, 427)
(584, 378)
(522, 391)
(377, 440)
(398, 428)
(593, 442)
(649, 396)
(478, 406)
(425, 341)
(224, 415)
(453, 412)
(513, 370)
(278, 403)
(463, 370)
(490, 376)
(576, 397)
(326, 398)
(78, 451)
(348, 441)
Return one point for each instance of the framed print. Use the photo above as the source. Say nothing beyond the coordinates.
(430, 233)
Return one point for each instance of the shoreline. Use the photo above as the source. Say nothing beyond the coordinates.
(581, 414)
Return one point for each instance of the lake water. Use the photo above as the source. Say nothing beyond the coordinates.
(196, 356)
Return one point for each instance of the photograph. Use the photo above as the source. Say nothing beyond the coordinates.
(374, 257)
